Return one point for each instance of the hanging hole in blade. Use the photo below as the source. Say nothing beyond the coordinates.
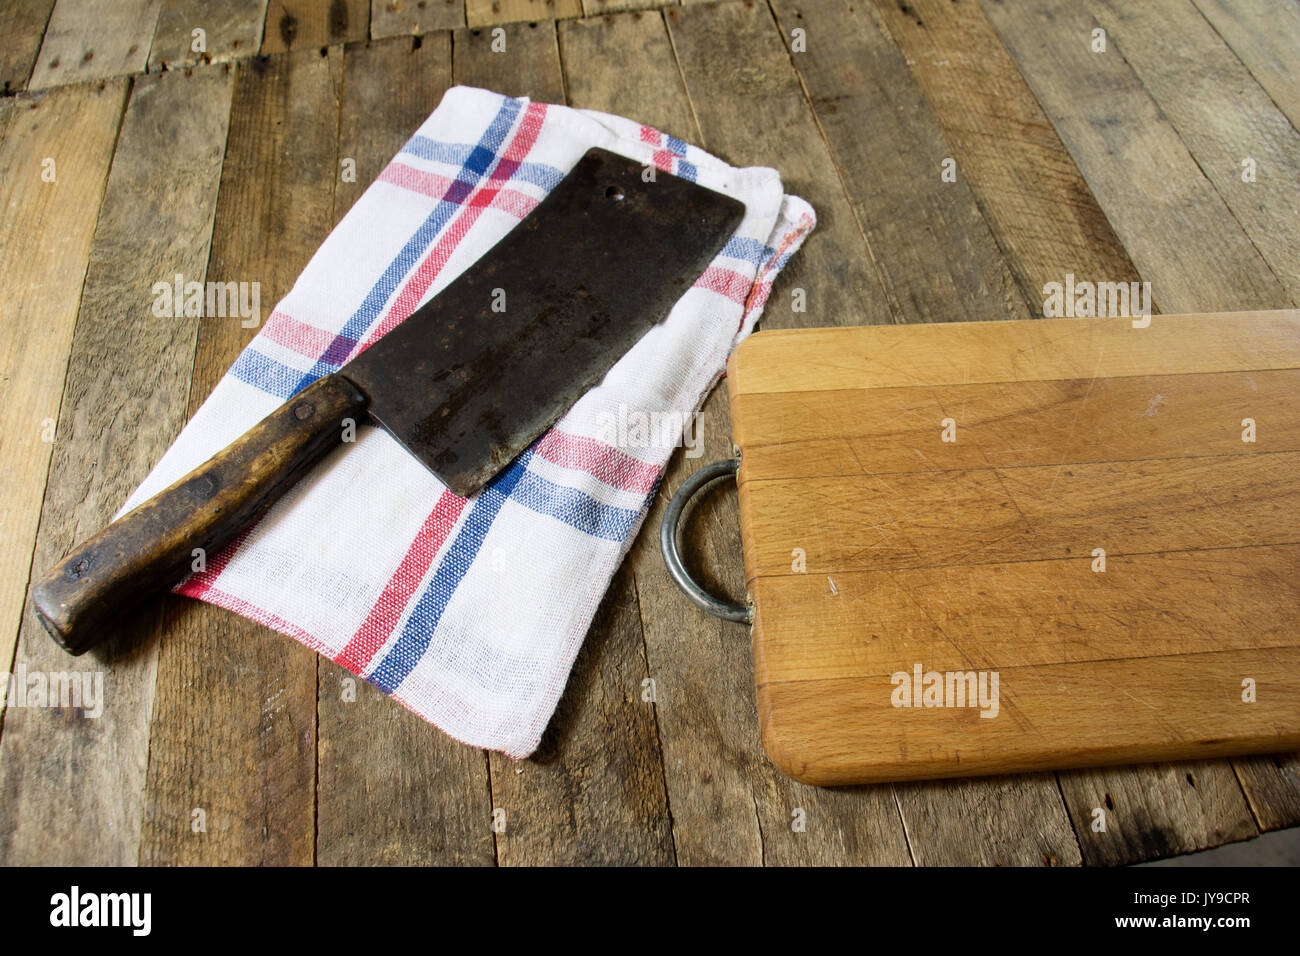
(615, 193)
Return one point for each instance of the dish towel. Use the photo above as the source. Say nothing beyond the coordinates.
(471, 612)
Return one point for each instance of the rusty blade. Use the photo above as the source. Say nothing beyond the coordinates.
(486, 366)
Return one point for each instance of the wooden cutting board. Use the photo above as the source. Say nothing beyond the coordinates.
(877, 552)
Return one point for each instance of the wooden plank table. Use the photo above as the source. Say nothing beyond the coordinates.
(960, 155)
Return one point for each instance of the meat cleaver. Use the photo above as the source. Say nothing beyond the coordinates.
(464, 387)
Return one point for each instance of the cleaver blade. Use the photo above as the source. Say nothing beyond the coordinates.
(466, 383)
(486, 366)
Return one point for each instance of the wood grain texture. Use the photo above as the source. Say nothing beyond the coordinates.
(389, 88)
(890, 152)
(964, 354)
(393, 789)
(1272, 786)
(1034, 513)
(985, 561)
(93, 39)
(392, 18)
(246, 755)
(1154, 222)
(599, 8)
(845, 730)
(959, 614)
(1032, 195)
(482, 13)
(598, 52)
(300, 24)
(44, 248)
(751, 110)
(1012, 425)
(729, 805)
(705, 767)
(1265, 36)
(73, 786)
(528, 66)
(1223, 116)
(231, 29)
(1175, 226)
(1196, 805)
(745, 61)
(594, 792)
(22, 24)
(997, 821)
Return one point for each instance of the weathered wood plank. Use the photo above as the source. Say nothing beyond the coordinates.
(231, 28)
(683, 652)
(752, 111)
(299, 24)
(594, 792)
(393, 790)
(1154, 811)
(45, 243)
(728, 803)
(482, 13)
(722, 792)
(1265, 35)
(1272, 786)
(1245, 146)
(6, 110)
(734, 64)
(1032, 195)
(246, 755)
(996, 821)
(92, 39)
(527, 65)
(391, 18)
(598, 8)
(600, 53)
(74, 787)
(1179, 232)
(22, 24)
(1181, 236)
(937, 258)
(389, 88)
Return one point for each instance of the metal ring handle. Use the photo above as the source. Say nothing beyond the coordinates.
(670, 530)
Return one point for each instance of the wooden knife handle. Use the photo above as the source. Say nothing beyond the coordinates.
(149, 549)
